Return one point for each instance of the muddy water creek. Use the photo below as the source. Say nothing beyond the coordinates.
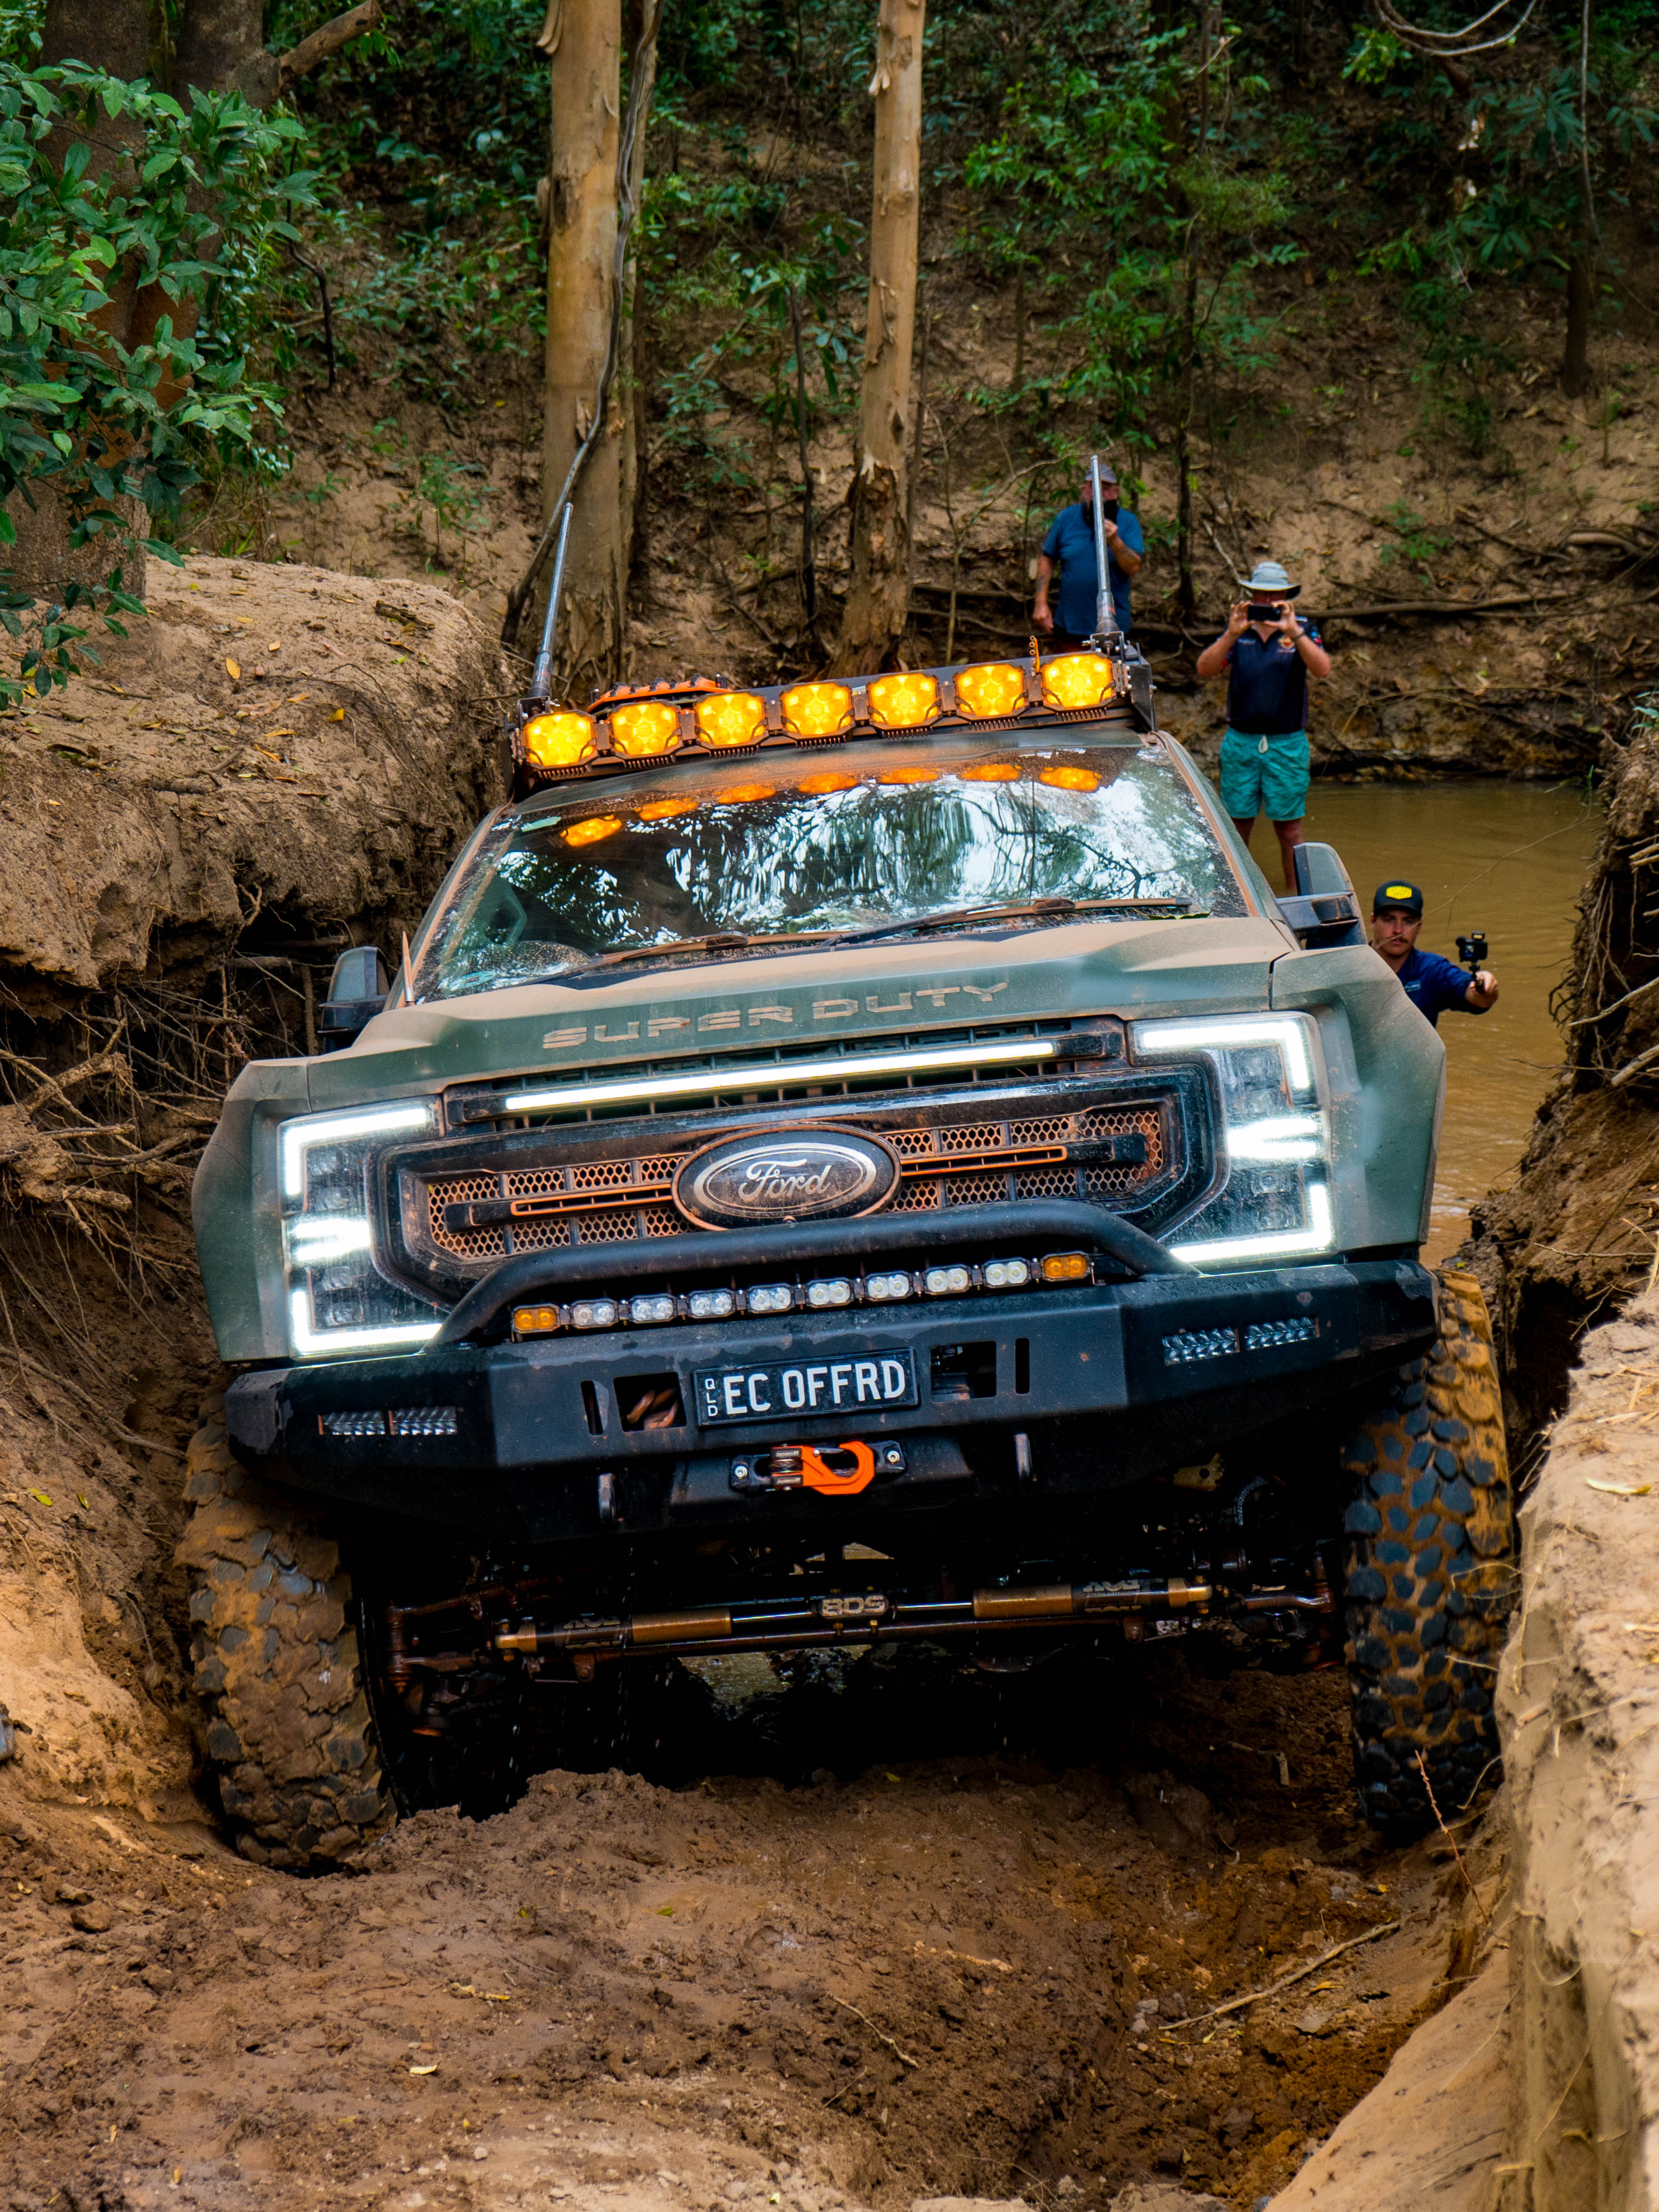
(1507, 858)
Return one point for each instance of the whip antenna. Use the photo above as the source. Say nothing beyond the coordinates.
(541, 682)
(1106, 628)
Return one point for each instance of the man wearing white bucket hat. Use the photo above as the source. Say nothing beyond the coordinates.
(1269, 653)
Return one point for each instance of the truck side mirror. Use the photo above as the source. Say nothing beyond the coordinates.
(356, 992)
(1324, 910)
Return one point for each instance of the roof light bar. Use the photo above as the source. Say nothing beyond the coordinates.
(781, 1075)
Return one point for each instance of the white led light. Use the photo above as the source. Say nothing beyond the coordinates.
(657, 1305)
(1279, 1244)
(314, 1241)
(770, 1299)
(710, 1305)
(1226, 1032)
(593, 1313)
(302, 1135)
(773, 1074)
(1005, 1274)
(940, 1282)
(880, 1289)
(308, 1341)
(1288, 1138)
(835, 1290)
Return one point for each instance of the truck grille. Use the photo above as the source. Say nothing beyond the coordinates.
(588, 1185)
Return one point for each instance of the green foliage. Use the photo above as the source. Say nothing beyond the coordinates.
(192, 214)
(1415, 542)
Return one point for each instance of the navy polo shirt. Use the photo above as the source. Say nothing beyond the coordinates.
(1071, 542)
(1268, 685)
(1435, 985)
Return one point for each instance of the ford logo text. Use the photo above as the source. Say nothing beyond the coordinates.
(787, 1175)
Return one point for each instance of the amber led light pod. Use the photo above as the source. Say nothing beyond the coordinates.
(650, 726)
(1078, 679)
(535, 1321)
(561, 739)
(904, 701)
(1067, 1268)
(731, 718)
(817, 710)
(997, 688)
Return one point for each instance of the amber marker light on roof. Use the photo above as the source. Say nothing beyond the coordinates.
(1070, 779)
(652, 727)
(739, 792)
(559, 739)
(821, 786)
(903, 702)
(997, 688)
(1077, 679)
(989, 772)
(817, 710)
(590, 832)
(731, 718)
(664, 810)
(911, 776)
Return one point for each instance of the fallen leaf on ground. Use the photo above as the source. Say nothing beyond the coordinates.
(1619, 1489)
(234, 670)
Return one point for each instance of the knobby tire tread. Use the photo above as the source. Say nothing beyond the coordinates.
(1431, 1570)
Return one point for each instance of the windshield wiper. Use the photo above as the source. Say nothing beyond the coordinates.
(722, 940)
(1041, 909)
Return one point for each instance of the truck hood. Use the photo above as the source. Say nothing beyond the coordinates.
(877, 993)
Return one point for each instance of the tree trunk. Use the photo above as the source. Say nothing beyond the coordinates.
(879, 600)
(583, 40)
(220, 48)
(1581, 298)
(644, 17)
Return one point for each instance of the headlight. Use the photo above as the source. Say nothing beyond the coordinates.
(1276, 1201)
(338, 1302)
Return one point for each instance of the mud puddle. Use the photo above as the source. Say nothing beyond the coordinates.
(962, 1968)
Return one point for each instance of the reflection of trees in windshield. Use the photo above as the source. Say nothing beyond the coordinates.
(792, 862)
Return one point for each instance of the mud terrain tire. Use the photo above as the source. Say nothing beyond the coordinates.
(1431, 1570)
(285, 1719)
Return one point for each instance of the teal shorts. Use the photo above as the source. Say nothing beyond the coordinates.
(1265, 776)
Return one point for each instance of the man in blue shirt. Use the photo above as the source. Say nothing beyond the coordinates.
(1071, 542)
(1269, 653)
(1432, 984)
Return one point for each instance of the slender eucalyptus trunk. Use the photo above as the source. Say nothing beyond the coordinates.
(877, 601)
(583, 41)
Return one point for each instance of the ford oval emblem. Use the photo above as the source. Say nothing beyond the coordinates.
(813, 1173)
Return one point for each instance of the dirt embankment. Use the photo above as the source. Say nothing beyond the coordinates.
(1577, 1231)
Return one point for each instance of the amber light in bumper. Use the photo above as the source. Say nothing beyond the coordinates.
(817, 710)
(904, 701)
(1066, 1267)
(535, 1321)
(997, 688)
(559, 740)
(652, 727)
(731, 718)
(1077, 679)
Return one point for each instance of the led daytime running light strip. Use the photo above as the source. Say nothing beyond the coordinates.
(1278, 1245)
(779, 1075)
(299, 1136)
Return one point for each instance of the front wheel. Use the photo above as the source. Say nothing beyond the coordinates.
(286, 1726)
(1431, 1571)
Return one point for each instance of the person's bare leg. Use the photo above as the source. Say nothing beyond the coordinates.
(1244, 828)
(1290, 836)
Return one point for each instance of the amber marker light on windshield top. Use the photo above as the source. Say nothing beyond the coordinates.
(562, 739)
(650, 728)
(820, 786)
(911, 776)
(664, 810)
(590, 832)
(731, 718)
(1070, 779)
(1078, 679)
(742, 793)
(904, 701)
(989, 772)
(817, 710)
(997, 688)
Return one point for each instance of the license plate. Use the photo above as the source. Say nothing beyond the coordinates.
(867, 1383)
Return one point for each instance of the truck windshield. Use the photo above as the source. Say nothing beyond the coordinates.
(772, 847)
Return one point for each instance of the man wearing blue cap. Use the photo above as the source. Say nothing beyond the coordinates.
(1268, 654)
(1432, 984)
(1071, 543)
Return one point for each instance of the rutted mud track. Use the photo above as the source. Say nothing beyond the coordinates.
(957, 1969)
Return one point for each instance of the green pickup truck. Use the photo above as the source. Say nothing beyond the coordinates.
(840, 1163)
